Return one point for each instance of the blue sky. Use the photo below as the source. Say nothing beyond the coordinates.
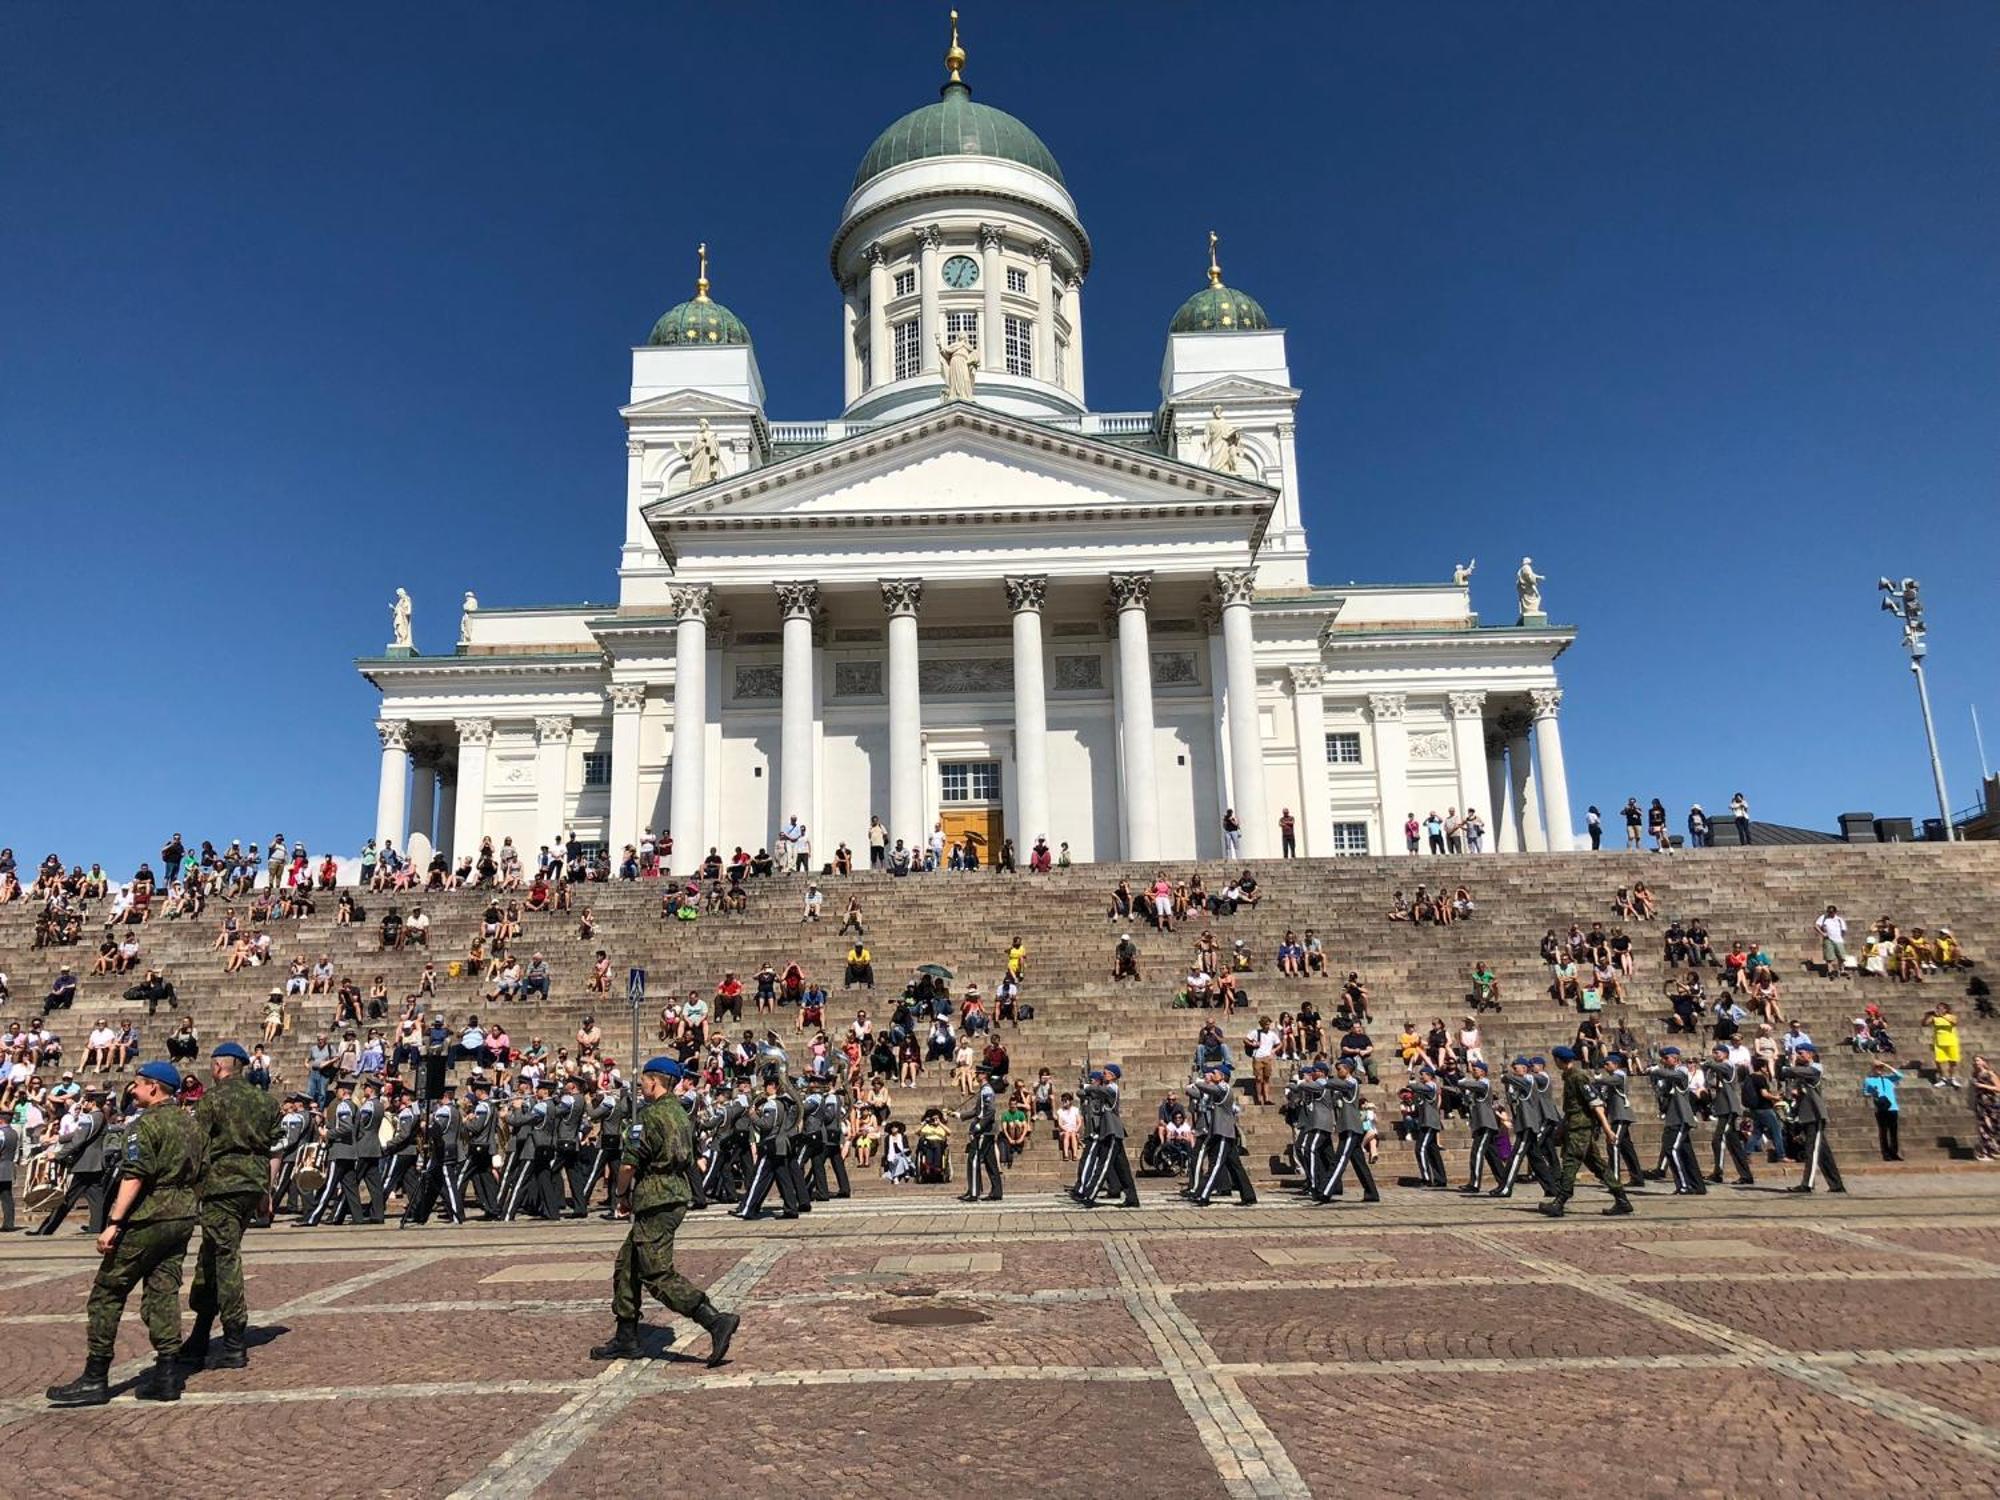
(1698, 304)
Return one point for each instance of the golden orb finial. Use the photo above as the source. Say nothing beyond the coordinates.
(701, 277)
(954, 58)
(1214, 266)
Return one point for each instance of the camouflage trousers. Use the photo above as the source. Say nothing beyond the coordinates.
(150, 1254)
(646, 1263)
(1585, 1149)
(218, 1269)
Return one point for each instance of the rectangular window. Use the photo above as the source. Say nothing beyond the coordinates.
(1017, 280)
(969, 781)
(1062, 362)
(597, 768)
(908, 357)
(906, 283)
(1020, 347)
(1343, 749)
(1350, 838)
(962, 325)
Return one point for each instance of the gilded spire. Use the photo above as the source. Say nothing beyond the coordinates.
(954, 57)
(1214, 266)
(701, 278)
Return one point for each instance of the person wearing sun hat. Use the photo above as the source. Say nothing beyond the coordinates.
(653, 1187)
(144, 1240)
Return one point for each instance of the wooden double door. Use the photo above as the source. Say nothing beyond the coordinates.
(986, 824)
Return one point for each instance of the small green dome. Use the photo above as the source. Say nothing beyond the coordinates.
(699, 321)
(955, 126)
(1221, 307)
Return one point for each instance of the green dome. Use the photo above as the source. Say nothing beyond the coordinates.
(955, 126)
(699, 321)
(1222, 307)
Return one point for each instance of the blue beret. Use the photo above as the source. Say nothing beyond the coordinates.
(231, 1049)
(1220, 1067)
(165, 1074)
(1519, 1062)
(1428, 1071)
(1564, 1054)
(1480, 1065)
(1807, 1047)
(1615, 1057)
(1538, 1062)
(668, 1066)
(1114, 1070)
(1670, 1052)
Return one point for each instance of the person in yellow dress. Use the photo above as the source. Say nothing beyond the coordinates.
(1944, 1045)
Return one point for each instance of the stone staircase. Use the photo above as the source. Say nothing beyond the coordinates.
(965, 921)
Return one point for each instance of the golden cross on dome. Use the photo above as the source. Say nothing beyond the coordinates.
(701, 280)
(955, 57)
(1214, 266)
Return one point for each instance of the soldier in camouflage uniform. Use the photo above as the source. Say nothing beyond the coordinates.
(238, 1121)
(653, 1185)
(144, 1238)
(1587, 1139)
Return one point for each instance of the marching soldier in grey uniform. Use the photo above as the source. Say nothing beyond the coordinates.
(84, 1154)
(1227, 1158)
(1199, 1115)
(605, 1115)
(368, 1152)
(833, 1133)
(1092, 1105)
(1350, 1127)
(480, 1132)
(1425, 1125)
(294, 1130)
(1806, 1077)
(1550, 1133)
(811, 1164)
(729, 1166)
(571, 1112)
(438, 1172)
(1614, 1086)
(10, 1153)
(774, 1144)
(1525, 1121)
(401, 1152)
(1476, 1090)
(1724, 1093)
(982, 1154)
(341, 1190)
(1676, 1100)
(1112, 1165)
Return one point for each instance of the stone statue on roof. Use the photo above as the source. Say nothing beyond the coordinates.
(958, 357)
(1461, 575)
(703, 454)
(1528, 584)
(1224, 442)
(399, 620)
(465, 614)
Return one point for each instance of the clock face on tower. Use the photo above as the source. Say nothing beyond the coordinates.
(961, 271)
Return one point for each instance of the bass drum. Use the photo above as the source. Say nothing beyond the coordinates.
(41, 1198)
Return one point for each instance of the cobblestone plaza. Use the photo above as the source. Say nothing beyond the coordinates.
(911, 1347)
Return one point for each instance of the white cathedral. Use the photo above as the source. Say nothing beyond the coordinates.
(970, 598)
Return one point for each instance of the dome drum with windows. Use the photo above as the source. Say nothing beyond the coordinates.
(699, 320)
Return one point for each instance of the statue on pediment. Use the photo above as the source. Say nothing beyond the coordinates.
(1528, 584)
(958, 358)
(399, 620)
(465, 614)
(1461, 576)
(703, 454)
(1224, 442)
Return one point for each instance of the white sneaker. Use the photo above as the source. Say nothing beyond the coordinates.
(1937, 1083)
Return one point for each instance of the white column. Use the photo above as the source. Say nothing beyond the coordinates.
(1390, 742)
(628, 706)
(1074, 300)
(850, 333)
(1218, 678)
(1246, 736)
(687, 806)
(902, 598)
(1468, 754)
(1555, 779)
(880, 369)
(992, 275)
(390, 806)
(1527, 805)
(637, 538)
(1025, 596)
(423, 795)
(1045, 312)
(1129, 593)
(1506, 828)
(1309, 727)
(552, 734)
(447, 812)
(469, 811)
(796, 604)
(929, 240)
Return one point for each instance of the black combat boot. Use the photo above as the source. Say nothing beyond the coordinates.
(1618, 1206)
(194, 1348)
(624, 1343)
(162, 1382)
(233, 1353)
(721, 1328)
(91, 1388)
(1553, 1207)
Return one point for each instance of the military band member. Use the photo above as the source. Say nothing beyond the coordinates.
(1673, 1092)
(1806, 1077)
(833, 1137)
(1524, 1118)
(653, 1189)
(1094, 1144)
(294, 1135)
(1475, 1089)
(479, 1140)
(236, 1121)
(605, 1116)
(440, 1166)
(340, 1190)
(143, 1241)
(1226, 1161)
(1350, 1129)
(982, 1156)
(571, 1161)
(368, 1153)
(1614, 1086)
(84, 1154)
(1724, 1092)
(10, 1154)
(730, 1133)
(402, 1151)
(774, 1148)
(1587, 1139)
(1113, 1166)
(1425, 1124)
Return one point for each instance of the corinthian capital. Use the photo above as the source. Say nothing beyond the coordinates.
(989, 236)
(628, 697)
(1026, 591)
(1386, 706)
(1308, 679)
(690, 601)
(1546, 701)
(797, 600)
(553, 729)
(393, 733)
(1131, 590)
(902, 596)
(1467, 705)
(930, 237)
(1234, 585)
(475, 731)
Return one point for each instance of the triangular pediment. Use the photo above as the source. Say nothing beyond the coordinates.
(961, 462)
(686, 403)
(1235, 388)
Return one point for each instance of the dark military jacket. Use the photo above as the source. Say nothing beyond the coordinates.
(164, 1149)
(237, 1121)
(1580, 1102)
(659, 1143)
